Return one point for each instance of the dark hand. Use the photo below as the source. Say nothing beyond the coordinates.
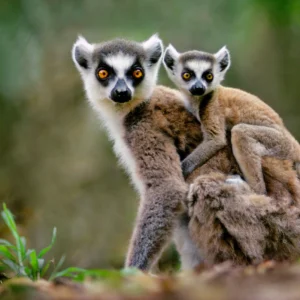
(187, 167)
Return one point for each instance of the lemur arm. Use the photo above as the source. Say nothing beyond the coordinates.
(214, 138)
(162, 198)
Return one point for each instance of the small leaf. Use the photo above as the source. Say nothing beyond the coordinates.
(57, 267)
(28, 253)
(9, 220)
(6, 253)
(69, 272)
(23, 240)
(6, 243)
(41, 263)
(46, 249)
(34, 264)
(13, 266)
(28, 271)
(45, 268)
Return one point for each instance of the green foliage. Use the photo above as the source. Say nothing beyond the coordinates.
(20, 262)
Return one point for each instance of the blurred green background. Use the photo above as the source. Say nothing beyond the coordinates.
(57, 167)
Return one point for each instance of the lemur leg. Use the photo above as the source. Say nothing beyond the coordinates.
(251, 142)
(190, 255)
(225, 223)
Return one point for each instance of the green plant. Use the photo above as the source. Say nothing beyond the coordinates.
(29, 263)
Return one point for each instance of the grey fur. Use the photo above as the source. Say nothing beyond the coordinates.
(196, 55)
(113, 47)
(230, 222)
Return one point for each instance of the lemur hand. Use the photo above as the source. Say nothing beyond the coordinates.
(187, 166)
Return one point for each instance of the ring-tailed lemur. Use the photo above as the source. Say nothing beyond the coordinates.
(151, 132)
(119, 77)
(257, 130)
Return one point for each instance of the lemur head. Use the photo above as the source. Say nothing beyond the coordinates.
(118, 72)
(196, 73)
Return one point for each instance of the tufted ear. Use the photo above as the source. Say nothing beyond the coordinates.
(82, 53)
(154, 48)
(170, 57)
(223, 59)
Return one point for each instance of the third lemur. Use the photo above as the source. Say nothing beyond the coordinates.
(257, 130)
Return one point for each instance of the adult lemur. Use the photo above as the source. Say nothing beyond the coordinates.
(152, 131)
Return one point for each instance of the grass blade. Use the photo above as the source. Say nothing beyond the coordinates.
(23, 240)
(13, 266)
(34, 264)
(6, 243)
(28, 272)
(57, 267)
(69, 272)
(9, 220)
(6, 253)
(47, 249)
(41, 262)
(45, 268)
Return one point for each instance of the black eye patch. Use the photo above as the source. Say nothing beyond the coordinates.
(208, 75)
(130, 74)
(187, 70)
(111, 73)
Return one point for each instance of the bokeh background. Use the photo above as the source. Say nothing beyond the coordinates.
(57, 167)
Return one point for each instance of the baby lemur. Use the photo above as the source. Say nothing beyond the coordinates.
(257, 130)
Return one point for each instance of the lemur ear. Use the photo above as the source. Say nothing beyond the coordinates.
(82, 53)
(154, 48)
(170, 56)
(223, 59)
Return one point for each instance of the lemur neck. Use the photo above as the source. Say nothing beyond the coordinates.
(113, 115)
(195, 104)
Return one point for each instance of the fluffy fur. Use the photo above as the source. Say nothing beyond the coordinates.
(152, 133)
(229, 222)
(257, 130)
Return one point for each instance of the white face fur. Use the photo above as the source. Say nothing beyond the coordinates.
(196, 73)
(119, 74)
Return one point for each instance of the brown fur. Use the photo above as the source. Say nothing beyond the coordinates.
(159, 133)
(229, 222)
(257, 131)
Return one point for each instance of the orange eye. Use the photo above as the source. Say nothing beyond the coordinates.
(209, 77)
(186, 76)
(103, 74)
(137, 73)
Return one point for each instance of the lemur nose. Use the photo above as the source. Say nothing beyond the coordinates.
(121, 93)
(197, 89)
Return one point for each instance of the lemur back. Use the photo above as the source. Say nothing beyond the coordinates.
(257, 130)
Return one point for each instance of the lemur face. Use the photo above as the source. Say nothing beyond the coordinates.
(194, 72)
(118, 71)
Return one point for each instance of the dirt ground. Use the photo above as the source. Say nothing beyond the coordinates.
(263, 282)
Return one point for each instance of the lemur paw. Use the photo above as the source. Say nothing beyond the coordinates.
(187, 168)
